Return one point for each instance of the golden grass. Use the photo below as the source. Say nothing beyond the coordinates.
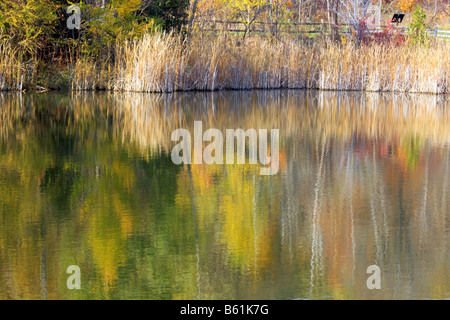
(11, 73)
(164, 63)
(89, 75)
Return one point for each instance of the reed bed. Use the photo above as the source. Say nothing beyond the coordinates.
(165, 63)
(89, 75)
(11, 71)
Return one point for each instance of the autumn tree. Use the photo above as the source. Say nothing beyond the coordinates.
(277, 9)
(246, 10)
(354, 12)
(406, 5)
(27, 24)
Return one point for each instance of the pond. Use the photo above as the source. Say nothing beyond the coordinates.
(88, 180)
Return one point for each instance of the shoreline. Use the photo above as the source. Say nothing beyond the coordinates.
(52, 90)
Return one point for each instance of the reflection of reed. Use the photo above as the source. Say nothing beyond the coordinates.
(317, 267)
(149, 119)
(388, 116)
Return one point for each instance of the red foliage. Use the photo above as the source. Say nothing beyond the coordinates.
(388, 35)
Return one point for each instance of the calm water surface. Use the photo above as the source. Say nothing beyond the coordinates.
(87, 180)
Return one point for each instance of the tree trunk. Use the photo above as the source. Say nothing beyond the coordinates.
(192, 18)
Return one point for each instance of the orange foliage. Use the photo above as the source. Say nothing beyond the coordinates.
(406, 5)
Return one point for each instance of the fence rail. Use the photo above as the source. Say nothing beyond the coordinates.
(300, 28)
(439, 33)
(261, 27)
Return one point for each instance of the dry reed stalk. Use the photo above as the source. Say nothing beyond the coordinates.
(11, 70)
(164, 63)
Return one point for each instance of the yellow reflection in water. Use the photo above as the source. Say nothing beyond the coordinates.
(87, 179)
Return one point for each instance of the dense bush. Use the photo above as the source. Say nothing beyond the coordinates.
(38, 29)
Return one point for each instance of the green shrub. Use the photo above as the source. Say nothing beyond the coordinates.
(417, 33)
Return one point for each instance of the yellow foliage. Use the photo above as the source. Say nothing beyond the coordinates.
(406, 5)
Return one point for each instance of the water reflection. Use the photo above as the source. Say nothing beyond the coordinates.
(88, 180)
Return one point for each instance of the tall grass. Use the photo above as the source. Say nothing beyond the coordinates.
(164, 63)
(87, 75)
(11, 71)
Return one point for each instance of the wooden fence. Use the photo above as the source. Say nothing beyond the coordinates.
(261, 27)
(298, 28)
(439, 33)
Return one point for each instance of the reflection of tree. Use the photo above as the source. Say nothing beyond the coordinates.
(87, 180)
(317, 242)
